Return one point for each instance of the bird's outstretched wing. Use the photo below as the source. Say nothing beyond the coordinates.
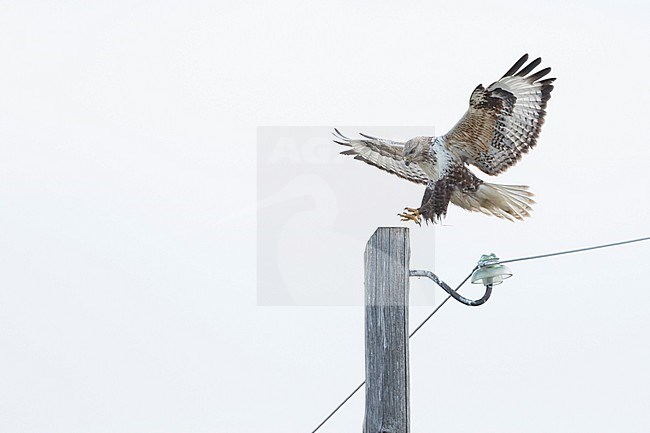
(384, 154)
(504, 120)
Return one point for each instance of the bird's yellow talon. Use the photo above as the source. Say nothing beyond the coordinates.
(411, 214)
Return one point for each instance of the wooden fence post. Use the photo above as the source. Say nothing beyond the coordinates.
(386, 299)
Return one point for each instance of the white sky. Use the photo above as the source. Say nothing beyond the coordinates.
(128, 215)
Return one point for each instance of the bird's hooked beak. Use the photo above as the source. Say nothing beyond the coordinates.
(407, 161)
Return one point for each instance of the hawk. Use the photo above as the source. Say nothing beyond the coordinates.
(502, 123)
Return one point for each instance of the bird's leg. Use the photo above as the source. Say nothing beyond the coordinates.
(411, 214)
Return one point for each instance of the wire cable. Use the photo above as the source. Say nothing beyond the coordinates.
(339, 406)
(441, 304)
(520, 259)
(579, 250)
(410, 335)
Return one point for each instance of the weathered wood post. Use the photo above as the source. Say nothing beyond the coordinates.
(387, 368)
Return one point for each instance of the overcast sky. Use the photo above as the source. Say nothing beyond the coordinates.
(145, 216)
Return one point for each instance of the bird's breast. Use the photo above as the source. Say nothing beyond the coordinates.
(430, 169)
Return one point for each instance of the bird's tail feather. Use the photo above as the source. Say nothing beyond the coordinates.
(511, 202)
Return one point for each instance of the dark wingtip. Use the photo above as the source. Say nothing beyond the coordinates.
(547, 81)
(532, 65)
(367, 136)
(539, 74)
(338, 134)
(516, 66)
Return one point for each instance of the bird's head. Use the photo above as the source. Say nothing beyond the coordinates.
(415, 149)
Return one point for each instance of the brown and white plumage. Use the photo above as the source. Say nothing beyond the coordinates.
(384, 154)
(502, 123)
(504, 120)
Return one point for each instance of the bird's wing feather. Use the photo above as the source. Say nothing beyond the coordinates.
(504, 120)
(384, 154)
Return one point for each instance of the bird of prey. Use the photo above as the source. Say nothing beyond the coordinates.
(502, 123)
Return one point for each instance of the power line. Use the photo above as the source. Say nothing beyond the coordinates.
(520, 259)
(441, 304)
(339, 406)
(579, 250)
(410, 335)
